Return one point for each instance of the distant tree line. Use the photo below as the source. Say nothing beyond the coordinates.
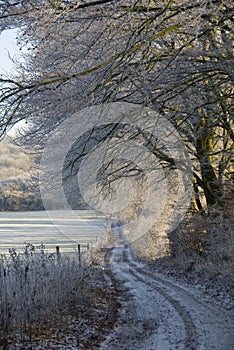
(16, 196)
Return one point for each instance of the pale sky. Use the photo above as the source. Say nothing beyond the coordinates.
(8, 45)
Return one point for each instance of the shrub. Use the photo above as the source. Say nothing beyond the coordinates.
(37, 288)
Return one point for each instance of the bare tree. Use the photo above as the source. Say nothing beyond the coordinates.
(175, 57)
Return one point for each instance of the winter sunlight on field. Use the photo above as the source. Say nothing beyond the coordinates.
(56, 228)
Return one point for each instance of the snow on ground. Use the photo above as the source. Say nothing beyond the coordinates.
(159, 314)
(156, 313)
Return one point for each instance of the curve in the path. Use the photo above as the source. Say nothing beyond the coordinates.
(203, 327)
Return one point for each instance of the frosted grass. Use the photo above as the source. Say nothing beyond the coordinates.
(38, 289)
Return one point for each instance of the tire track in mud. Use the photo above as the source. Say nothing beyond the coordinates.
(191, 336)
(188, 340)
(208, 326)
(160, 280)
(174, 316)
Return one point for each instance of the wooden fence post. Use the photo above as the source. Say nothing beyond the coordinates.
(79, 255)
(58, 253)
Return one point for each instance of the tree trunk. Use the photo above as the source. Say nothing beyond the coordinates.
(204, 147)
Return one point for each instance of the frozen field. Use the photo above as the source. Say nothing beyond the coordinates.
(66, 229)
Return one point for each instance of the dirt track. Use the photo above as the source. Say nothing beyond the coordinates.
(159, 314)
